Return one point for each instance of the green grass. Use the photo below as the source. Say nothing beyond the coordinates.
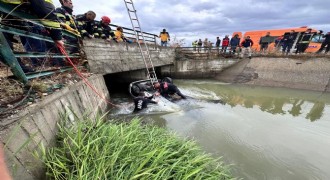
(103, 150)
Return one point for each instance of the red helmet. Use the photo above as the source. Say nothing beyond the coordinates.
(106, 19)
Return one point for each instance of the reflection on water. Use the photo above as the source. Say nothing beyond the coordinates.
(266, 133)
(271, 100)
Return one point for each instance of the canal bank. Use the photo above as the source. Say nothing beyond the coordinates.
(22, 133)
(297, 73)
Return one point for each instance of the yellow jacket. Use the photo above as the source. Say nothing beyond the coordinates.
(164, 36)
(119, 36)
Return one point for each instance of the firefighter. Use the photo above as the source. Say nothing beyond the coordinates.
(103, 30)
(142, 101)
(86, 23)
(65, 16)
(166, 89)
(44, 9)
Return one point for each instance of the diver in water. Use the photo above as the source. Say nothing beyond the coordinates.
(142, 101)
(166, 89)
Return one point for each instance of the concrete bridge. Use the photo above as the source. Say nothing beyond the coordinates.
(110, 58)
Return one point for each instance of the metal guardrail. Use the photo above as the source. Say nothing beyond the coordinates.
(10, 56)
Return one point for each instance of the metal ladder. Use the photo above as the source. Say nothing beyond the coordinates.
(138, 32)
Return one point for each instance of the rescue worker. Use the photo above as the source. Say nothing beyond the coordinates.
(142, 101)
(304, 41)
(288, 41)
(64, 15)
(166, 89)
(164, 37)
(194, 45)
(246, 46)
(85, 24)
(225, 44)
(103, 30)
(44, 9)
(326, 42)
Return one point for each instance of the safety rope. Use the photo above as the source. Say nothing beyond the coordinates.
(62, 50)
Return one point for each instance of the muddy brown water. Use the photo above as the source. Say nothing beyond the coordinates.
(263, 133)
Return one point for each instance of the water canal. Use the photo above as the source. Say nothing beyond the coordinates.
(265, 133)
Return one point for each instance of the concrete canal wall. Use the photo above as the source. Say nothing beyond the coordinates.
(37, 124)
(189, 69)
(309, 74)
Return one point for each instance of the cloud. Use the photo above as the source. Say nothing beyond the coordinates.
(194, 19)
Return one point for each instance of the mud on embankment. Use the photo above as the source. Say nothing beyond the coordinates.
(308, 74)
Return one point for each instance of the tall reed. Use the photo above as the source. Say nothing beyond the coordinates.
(102, 150)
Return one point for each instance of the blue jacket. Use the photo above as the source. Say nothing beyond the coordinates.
(234, 41)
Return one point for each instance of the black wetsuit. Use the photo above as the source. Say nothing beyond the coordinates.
(142, 102)
(167, 89)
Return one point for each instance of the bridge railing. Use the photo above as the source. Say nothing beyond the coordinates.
(16, 22)
(130, 34)
(19, 23)
(204, 53)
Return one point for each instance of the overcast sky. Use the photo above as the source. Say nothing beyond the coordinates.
(194, 19)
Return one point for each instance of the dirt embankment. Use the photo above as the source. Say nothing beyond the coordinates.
(308, 74)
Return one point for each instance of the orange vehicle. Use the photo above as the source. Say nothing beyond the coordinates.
(314, 45)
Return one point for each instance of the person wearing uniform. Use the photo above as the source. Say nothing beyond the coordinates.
(142, 101)
(103, 30)
(85, 24)
(64, 14)
(166, 89)
(44, 9)
(164, 37)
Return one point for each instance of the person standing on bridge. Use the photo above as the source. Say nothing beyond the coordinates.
(234, 42)
(164, 37)
(217, 44)
(199, 44)
(225, 44)
(246, 46)
(194, 45)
